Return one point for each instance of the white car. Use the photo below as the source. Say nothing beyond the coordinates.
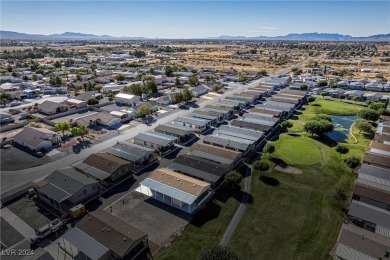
(14, 103)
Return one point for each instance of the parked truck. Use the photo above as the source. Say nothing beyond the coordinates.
(48, 229)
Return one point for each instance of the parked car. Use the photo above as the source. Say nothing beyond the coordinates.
(47, 229)
(14, 103)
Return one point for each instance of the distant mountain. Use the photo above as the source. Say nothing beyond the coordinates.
(317, 37)
(17, 36)
(9, 35)
(310, 37)
(68, 35)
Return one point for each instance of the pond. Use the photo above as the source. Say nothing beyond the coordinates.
(341, 124)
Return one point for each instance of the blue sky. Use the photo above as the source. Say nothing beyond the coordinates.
(195, 19)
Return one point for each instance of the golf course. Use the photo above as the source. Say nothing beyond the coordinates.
(298, 216)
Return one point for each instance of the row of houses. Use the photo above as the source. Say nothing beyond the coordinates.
(368, 234)
(186, 184)
(213, 156)
(365, 96)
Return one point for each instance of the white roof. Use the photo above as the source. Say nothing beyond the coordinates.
(118, 113)
(123, 95)
(76, 101)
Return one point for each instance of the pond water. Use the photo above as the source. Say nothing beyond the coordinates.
(341, 124)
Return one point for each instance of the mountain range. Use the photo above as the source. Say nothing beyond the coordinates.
(9, 35)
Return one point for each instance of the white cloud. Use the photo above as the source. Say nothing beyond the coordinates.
(268, 28)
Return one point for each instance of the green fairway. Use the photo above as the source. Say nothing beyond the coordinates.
(323, 106)
(295, 216)
(296, 150)
(207, 227)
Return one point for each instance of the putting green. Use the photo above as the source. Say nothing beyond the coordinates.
(297, 150)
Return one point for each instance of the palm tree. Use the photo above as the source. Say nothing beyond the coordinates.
(62, 126)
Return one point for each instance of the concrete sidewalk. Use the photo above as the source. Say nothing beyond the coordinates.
(20, 226)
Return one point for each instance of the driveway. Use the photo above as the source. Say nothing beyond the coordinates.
(161, 222)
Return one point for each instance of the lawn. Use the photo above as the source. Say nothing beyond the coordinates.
(322, 106)
(287, 151)
(295, 216)
(207, 227)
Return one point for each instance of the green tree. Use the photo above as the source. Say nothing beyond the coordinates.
(57, 64)
(135, 89)
(357, 99)
(6, 96)
(138, 53)
(80, 130)
(311, 99)
(269, 148)
(342, 149)
(369, 114)
(62, 126)
(69, 62)
(352, 162)
(261, 166)
(377, 106)
(207, 78)
(322, 83)
(177, 81)
(319, 128)
(92, 101)
(193, 80)
(187, 94)
(168, 71)
(384, 111)
(233, 179)
(120, 77)
(304, 87)
(150, 85)
(241, 78)
(34, 77)
(178, 97)
(285, 125)
(363, 125)
(55, 80)
(323, 94)
(216, 87)
(217, 252)
(144, 109)
(319, 117)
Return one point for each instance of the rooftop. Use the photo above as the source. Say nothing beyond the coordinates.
(110, 231)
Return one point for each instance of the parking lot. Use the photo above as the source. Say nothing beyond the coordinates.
(16, 158)
(161, 222)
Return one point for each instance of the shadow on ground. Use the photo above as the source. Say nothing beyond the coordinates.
(269, 180)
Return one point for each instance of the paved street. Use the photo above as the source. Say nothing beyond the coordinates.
(11, 180)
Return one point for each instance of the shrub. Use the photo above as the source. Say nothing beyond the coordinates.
(261, 166)
(377, 105)
(319, 117)
(352, 161)
(342, 149)
(215, 252)
(311, 99)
